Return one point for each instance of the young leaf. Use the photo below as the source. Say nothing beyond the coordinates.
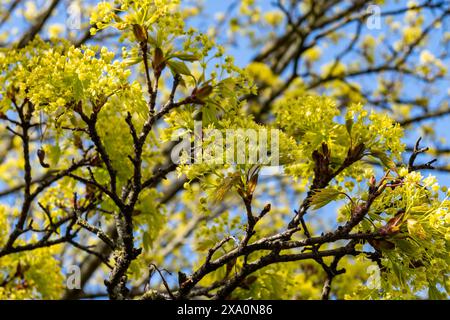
(54, 154)
(179, 67)
(225, 186)
(322, 197)
(185, 56)
(252, 184)
(204, 92)
(153, 41)
(349, 125)
(146, 241)
(132, 61)
(393, 225)
(385, 160)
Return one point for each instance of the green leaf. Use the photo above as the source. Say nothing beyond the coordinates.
(78, 91)
(132, 61)
(322, 197)
(209, 113)
(202, 78)
(349, 125)
(179, 67)
(434, 293)
(146, 241)
(153, 42)
(54, 154)
(406, 246)
(185, 56)
(204, 92)
(398, 273)
(227, 87)
(205, 244)
(384, 158)
(226, 186)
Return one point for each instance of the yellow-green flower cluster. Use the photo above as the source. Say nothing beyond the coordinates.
(160, 16)
(42, 277)
(314, 120)
(40, 272)
(419, 240)
(56, 78)
(376, 130)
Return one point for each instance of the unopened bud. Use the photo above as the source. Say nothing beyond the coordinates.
(41, 156)
(203, 92)
(140, 33)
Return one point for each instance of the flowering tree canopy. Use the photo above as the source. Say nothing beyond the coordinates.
(140, 160)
